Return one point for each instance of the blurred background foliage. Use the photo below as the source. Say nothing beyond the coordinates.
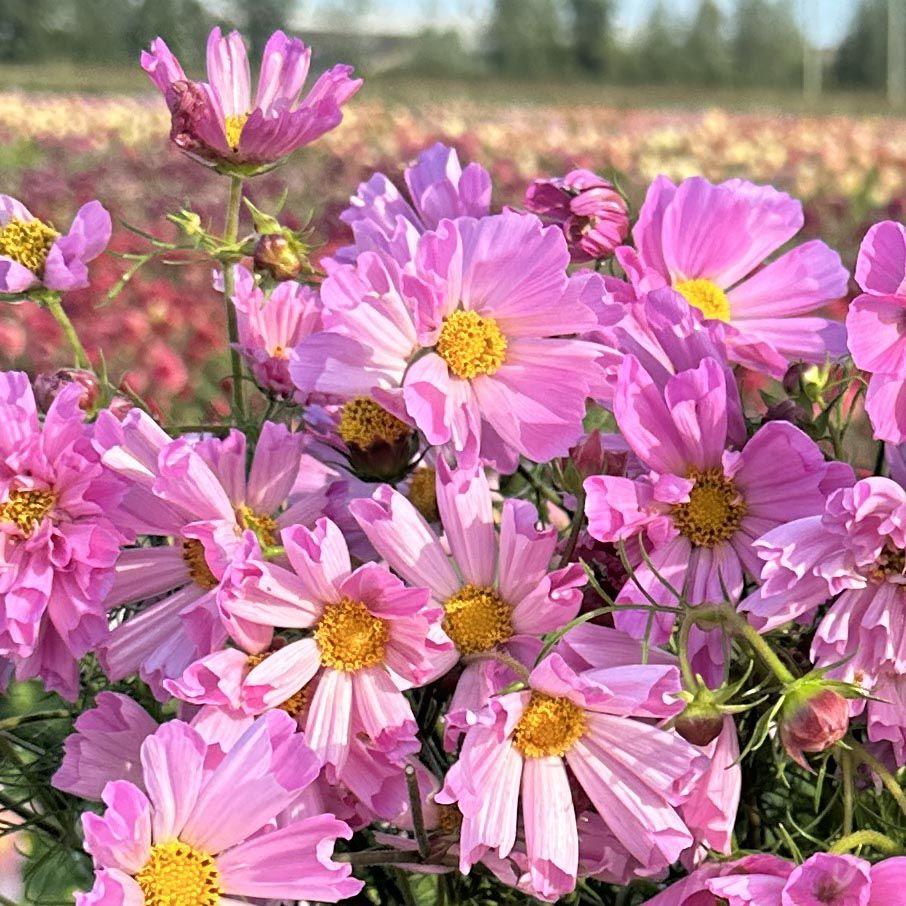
(741, 44)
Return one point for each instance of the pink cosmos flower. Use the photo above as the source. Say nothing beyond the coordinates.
(216, 121)
(197, 496)
(370, 638)
(473, 348)
(270, 327)
(709, 241)
(33, 254)
(58, 540)
(702, 505)
(876, 323)
(521, 750)
(105, 745)
(854, 550)
(587, 207)
(205, 834)
(439, 188)
(497, 591)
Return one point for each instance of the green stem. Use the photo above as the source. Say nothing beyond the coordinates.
(415, 809)
(689, 680)
(12, 722)
(576, 528)
(881, 842)
(31, 820)
(55, 307)
(846, 768)
(885, 776)
(231, 234)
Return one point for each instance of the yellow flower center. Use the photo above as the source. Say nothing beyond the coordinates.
(233, 126)
(471, 344)
(449, 819)
(363, 423)
(891, 562)
(297, 702)
(423, 493)
(193, 554)
(549, 726)
(707, 297)
(477, 619)
(349, 637)
(27, 508)
(264, 527)
(27, 242)
(714, 511)
(179, 875)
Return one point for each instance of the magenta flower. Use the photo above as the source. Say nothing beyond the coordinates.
(33, 254)
(709, 242)
(269, 327)
(876, 324)
(587, 207)
(58, 539)
(192, 833)
(702, 505)
(197, 496)
(216, 121)
(473, 349)
(854, 550)
(517, 750)
(439, 187)
(497, 591)
(371, 637)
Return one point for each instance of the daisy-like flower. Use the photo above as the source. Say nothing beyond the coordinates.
(709, 242)
(198, 497)
(523, 748)
(33, 254)
(439, 187)
(825, 879)
(497, 591)
(474, 349)
(876, 325)
(189, 833)
(701, 506)
(269, 327)
(366, 638)
(216, 121)
(855, 551)
(58, 539)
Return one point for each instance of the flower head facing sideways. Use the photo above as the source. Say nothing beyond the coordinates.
(218, 123)
(710, 241)
(876, 325)
(194, 834)
(34, 255)
(497, 591)
(383, 220)
(200, 496)
(702, 505)
(367, 637)
(522, 749)
(476, 345)
(59, 535)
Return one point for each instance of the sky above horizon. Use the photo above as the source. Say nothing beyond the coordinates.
(825, 21)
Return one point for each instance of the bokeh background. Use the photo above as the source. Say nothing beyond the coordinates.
(807, 95)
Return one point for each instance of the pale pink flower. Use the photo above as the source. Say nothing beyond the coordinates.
(206, 834)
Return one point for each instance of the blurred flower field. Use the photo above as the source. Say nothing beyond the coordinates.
(159, 332)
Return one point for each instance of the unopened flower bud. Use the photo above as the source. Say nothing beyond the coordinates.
(786, 411)
(48, 385)
(812, 719)
(700, 723)
(590, 211)
(280, 256)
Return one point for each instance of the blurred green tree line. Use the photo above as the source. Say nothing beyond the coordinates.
(757, 43)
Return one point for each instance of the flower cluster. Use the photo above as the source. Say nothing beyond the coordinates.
(530, 544)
